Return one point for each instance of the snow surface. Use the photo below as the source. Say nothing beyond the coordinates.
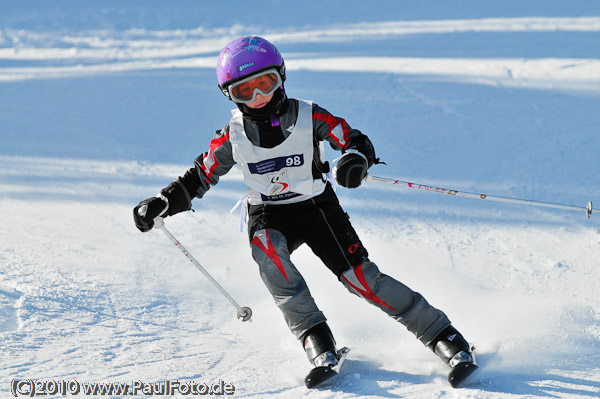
(104, 103)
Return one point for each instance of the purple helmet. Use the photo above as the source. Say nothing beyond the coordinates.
(246, 56)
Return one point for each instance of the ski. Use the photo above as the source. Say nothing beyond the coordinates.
(464, 372)
(317, 376)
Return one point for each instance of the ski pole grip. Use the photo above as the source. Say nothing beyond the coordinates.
(158, 221)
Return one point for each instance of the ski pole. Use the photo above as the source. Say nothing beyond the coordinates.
(587, 209)
(244, 313)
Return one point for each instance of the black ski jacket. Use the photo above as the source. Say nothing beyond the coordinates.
(218, 160)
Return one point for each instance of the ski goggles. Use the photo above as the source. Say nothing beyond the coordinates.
(245, 90)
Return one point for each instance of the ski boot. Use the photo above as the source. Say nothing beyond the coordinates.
(456, 352)
(321, 352)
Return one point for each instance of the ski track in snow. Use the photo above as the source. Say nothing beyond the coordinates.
(138, 310)
(140, 49)
(85, 296)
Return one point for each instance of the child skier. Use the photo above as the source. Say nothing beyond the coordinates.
(277, 143)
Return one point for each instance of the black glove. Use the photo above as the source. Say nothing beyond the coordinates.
(350, 170)
(153, 207)
(173, 199)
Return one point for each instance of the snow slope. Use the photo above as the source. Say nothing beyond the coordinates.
(103, 104)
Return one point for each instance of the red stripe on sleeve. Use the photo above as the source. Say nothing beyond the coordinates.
(210, 162)
(333, 121)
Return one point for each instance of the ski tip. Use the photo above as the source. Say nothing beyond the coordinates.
(318, 376)
(462, 374)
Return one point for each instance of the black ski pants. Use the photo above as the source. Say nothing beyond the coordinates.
(277, 230)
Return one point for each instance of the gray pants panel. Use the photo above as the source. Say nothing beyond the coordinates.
(284, 282)
(397, 300)
(292, 296)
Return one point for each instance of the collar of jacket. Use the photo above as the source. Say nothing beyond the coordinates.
(278, 105)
